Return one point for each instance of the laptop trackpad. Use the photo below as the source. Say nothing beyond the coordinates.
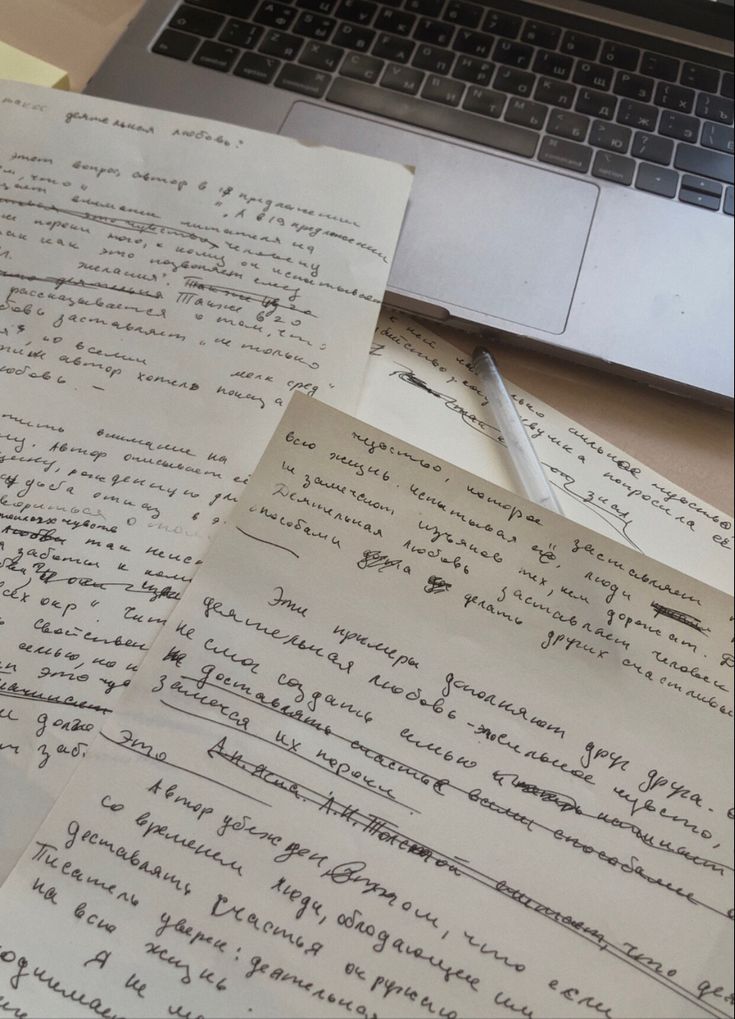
(482, 233)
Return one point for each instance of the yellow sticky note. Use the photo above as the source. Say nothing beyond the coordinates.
(19, 66)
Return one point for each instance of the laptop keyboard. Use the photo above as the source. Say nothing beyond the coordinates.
(577, 101)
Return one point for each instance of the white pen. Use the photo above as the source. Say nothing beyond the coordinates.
(528, 469)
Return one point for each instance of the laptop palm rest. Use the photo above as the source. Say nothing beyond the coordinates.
(525, 227)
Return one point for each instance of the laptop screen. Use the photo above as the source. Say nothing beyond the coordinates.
(712, 17)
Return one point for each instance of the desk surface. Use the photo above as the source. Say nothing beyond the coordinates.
(684, 440)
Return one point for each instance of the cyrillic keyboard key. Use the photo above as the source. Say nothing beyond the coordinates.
(433, 117)
(656, 180)
(633, 86)
(484, 101)
(568, 125)
(556, 93)
(639, 115)
(673, 97)
(596, 104)
(514, 54)
(508, 79)
(609, 136)
(275, 15)
(566, 154)
(594, 75)
(526, 113)
(393, 47)
(442, 90)
(704, 163)
(714, 108)
(315, 26)
(554, 65)
(361, 67)
(474, 44)
(727, 87)
(477, 72)
(317, 6)
(729, 202)
(303, 80)
(175, 44)
(678, 125)
(359, 11)
(397, 22)
(609, 166)
(321, 55)
(429, 58)
(436, 33)
(402, 79)
(353, 37)
(282, 45)
(717, 136)
(653, 148)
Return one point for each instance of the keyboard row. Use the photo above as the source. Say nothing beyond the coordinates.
(474, 59)
(629, 113)
(435, 21)
(591, 142)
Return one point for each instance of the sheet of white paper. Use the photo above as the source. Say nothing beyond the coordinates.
(165, 284)
(353, 779)
(422, 389)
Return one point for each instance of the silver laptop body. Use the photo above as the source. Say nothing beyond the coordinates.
(579, 234)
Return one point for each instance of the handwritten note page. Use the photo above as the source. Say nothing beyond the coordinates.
(165, 284)
(422, 389)
(357, 778)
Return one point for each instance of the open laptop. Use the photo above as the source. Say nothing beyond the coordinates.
(574, 161)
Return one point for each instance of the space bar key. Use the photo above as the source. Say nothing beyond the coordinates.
(433, 117)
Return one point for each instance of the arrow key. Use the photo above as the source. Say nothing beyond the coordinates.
(657, 180)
